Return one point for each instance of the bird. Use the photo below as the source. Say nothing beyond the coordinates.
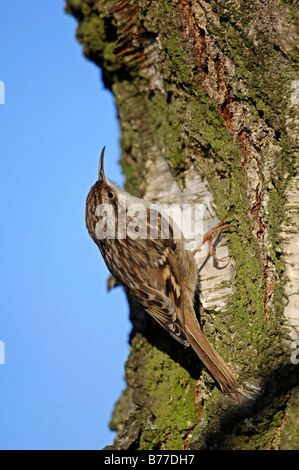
(157, 271)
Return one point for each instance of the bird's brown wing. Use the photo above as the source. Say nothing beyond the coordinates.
(155, 284)
(162, 310)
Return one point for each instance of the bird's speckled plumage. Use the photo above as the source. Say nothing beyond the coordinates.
(159, 273)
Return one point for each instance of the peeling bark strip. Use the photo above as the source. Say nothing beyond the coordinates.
(210, 65)
(210, 60)
(207, 89)
(132, 39)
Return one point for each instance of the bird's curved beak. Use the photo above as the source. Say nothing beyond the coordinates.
(101, 167)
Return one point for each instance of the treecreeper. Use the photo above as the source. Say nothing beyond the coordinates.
(153, 266)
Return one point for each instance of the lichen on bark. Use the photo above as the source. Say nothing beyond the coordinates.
(208, 84)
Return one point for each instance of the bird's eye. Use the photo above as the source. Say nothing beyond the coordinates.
(110, 195)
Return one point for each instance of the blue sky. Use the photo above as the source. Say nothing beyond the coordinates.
(65, 337)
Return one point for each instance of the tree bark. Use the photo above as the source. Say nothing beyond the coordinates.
(207, 97)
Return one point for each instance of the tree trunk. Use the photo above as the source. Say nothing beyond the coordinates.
(207, 99)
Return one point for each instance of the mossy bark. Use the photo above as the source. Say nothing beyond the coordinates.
(209, 84)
